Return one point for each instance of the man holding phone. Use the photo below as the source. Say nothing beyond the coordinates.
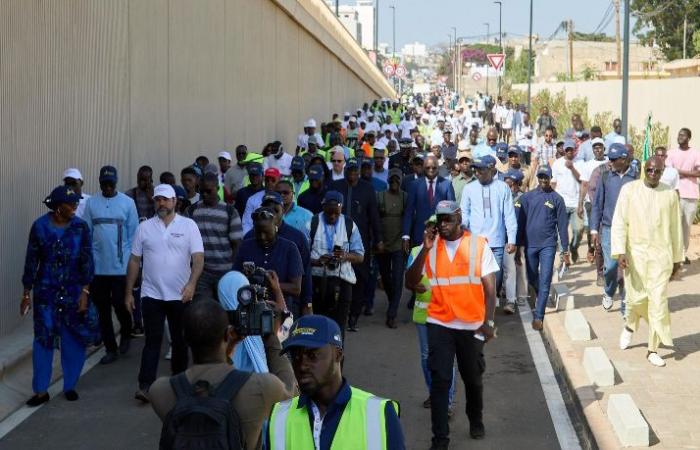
(462, 270)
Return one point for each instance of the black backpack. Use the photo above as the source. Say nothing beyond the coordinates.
(204, 418)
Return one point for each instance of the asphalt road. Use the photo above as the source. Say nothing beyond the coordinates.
(381, 360)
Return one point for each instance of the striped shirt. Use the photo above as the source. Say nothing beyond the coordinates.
(218, 225)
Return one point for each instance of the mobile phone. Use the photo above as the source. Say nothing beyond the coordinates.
(25, 310)
(337, 248)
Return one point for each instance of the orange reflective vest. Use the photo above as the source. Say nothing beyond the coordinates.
(457, 292)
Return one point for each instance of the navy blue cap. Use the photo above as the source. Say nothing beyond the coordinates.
(313, 331)
(180, 192)
(298, 164)
(544, 170)
(617, 151)
(484, 161)
(108, 173)
(514, 174)
(274, 197)
(502, 146)
(254, 169)
(366, 162)
(315, 172)
(351, 164)
(569, 143)
(61, 194)
(405, 142)
(333, 197)
(515, 149)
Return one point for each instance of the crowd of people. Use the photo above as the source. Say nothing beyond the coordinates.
(464, 202)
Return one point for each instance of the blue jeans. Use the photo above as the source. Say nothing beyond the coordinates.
(423, 343)
(576, 224)
(614, 281)
(498, 254)
(540, 268)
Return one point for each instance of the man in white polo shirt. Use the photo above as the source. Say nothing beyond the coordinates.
(173, 258)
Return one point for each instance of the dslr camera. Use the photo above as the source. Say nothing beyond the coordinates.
(254, 317)
(333, 261)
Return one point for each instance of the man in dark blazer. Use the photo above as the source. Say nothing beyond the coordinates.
(420, 204)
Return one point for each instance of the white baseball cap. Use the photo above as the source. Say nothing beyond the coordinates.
(463, 145)
(598, 141)
(370, 114)
(386, 128)
(164, 190)
(311, 123)
(225, 155)
(380, 145)
(346, 114)
(352, 119)
(72, 173)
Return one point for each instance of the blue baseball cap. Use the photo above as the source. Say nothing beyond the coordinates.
(333, 197)
(501, 146)
(180, 192)
(514, 174)
(274, 197)
(516, 149)
(315, 172)
(617, 151)
(544, 171)
(569, 143)
(484, 162)
(366, 162)
(313, 331)
(351, 164)
(298, 164)
(61, 194)
(446, 207)
(109, 174)
(254, 169)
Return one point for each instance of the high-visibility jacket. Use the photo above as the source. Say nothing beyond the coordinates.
(362, 426)
(456, 287)
(420, 308)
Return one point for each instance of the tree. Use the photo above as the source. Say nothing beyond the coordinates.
(660, 22)
(696, 41)
(516, 69)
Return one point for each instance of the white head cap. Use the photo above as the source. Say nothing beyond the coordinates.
(370, 114)
(346, 114)
(380, 145)
(311, 123)
(225, 155)
(164, 190)
(73, 173)
(352, 119)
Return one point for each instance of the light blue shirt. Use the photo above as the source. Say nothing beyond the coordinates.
(612, 138)
(488, 211)
(113, 222)
(254, 202)
(482, 150)
(585, 151)
(299, 218)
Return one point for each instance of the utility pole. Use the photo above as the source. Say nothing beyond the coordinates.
(529, 64)
(626, 69)
(570, 27)
(376, 26)
(393, 44)
(337, 8)
(500, 38)
(488, 36)
(454, 59)
(617, 37)
(685, 32)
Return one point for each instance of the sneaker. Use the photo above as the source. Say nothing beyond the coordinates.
(625, 339)
(537, 325)
(426, 403)
(137, 332)
(477, 430)
(607, 302)
(522, 301)
(109, 358)
(169, 354)
(142, 395)
(655, 359)
(509, 308)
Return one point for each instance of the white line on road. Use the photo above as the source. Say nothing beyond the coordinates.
(16, 418)
(566, 434)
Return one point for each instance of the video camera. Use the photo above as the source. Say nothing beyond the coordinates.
(253, 317)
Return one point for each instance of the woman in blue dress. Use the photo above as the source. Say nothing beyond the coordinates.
(57, 271)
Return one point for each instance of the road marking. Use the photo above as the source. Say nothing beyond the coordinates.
(555, 402)
(16, 418)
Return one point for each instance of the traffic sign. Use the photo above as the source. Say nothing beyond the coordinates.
(476, 76)
(401, 71)
(496, 60)
(389, 69)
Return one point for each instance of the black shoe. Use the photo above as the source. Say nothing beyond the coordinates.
(369, 311)
(687, 261)
(440, 444)
(477, 431)
(142, 395)
(352, 324)
(391, 323)
(124, 346)
(574, 256)
(109, 358)
(37, 399)
(137, 332)
(71, 395)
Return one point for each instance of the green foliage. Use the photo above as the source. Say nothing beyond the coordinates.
(563, 76)
(596, 37)
(517, 69)
(660, 22)
(696, 41)
(589, 73)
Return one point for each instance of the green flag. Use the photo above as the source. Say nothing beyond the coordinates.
(647, 140)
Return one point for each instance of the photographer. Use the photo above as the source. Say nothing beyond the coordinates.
(212, 339)
(269, 251)
(335, 246)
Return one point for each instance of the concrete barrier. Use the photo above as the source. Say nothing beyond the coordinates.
(562, 297)
(598, 367)
(576, 326)
(627, 421)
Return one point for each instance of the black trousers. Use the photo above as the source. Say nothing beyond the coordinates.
(107, 291)
(154, 314)
(443, 345)
(359, 296)
(331, 298)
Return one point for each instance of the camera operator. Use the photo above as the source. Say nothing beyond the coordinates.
(212, 339)
(336, 245)
(270, 251)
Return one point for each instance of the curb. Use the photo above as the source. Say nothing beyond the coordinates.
(598, 430)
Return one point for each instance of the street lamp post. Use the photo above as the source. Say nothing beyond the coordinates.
(454, 59)
(500, 38)
(626, 69)
(529, 65)
(393, 31)
(488, 37)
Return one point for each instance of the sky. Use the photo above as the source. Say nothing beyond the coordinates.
(429, 21)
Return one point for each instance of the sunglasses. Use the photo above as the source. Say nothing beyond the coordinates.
(653, 170)
(262, 214)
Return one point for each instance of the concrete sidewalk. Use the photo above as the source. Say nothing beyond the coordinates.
(668, 397)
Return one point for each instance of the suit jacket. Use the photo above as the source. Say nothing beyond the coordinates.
(362, 208)
(418, 209)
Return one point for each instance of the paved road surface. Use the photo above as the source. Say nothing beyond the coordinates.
(383, 361)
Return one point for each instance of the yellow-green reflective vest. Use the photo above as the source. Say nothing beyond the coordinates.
(420, 308)
(251, 157)
(362, 426)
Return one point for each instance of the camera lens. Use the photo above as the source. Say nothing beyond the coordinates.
(245, 295)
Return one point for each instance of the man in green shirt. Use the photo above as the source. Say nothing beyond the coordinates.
(466, 175)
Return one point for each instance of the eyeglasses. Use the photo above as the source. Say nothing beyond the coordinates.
(262, 214)
(653, 170)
